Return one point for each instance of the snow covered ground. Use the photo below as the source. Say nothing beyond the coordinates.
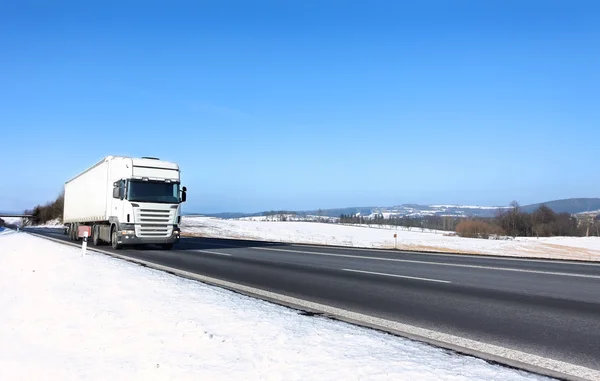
(55, 223)
(13, 220)
(576, 248)
(67, 317)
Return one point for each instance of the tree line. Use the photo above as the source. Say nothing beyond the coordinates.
(513, 221)
(47, 212)
(543, 222)
(446, 223)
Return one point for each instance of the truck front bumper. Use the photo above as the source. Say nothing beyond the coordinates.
(132, 239)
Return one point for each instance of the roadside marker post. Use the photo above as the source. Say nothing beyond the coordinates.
(396, 241)
(84, 244)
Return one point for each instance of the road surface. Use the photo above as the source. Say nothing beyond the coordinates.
(546, 308)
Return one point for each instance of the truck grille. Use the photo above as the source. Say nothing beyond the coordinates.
(154, 222)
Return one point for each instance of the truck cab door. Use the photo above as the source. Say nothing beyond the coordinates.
(117, 201)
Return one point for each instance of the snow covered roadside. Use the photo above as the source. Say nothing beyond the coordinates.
(574, 248)
(18, 221)
(68, 317)
(55, 223)
(13, 220)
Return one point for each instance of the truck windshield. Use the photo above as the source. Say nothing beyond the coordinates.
(153, 191)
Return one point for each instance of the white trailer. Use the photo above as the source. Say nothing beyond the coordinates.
(125, 201)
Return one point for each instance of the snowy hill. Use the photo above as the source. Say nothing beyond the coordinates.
(437, 210)
(572, 206)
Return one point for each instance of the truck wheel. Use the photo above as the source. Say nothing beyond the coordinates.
(166, 246)
(113, 240)
(75, 232)
(96, 236)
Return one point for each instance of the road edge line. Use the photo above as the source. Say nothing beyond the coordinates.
(500, 355)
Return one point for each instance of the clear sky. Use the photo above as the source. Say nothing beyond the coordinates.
(306, 104)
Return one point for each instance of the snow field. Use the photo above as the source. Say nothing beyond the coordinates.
(68, 317)
(574, 248)
(12, 220)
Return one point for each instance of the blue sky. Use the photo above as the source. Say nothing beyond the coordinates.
(306, 104)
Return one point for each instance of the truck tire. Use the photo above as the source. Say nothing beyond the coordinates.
(75, 232)
(96, 241)
(113, 240)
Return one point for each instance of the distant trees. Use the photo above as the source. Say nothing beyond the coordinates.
(543, 222)
(513, 221)
(446, 223)
(49, 211)
(596, 227)
(589, 222)
(476, 229)
(351, 219)
(279, 212)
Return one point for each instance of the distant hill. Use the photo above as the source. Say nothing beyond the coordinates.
(363, 210)
(226, 215)
(572, 206)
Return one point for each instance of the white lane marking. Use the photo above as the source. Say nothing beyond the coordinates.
(407, 251)
(212, 252)
(398, 276)
(432, 263)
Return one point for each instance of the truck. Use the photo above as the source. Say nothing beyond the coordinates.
(124, 201)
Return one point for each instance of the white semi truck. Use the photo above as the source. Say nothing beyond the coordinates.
(125, 201)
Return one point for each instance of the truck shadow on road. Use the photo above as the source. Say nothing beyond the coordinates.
(196, 243)
(200, 243)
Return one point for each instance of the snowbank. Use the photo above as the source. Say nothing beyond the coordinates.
(17, 221)
(55, 223)
(575, 248)
(67, 317)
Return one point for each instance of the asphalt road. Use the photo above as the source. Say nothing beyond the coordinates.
(546, 308)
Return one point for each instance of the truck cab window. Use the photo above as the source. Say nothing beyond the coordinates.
(122, 189)
(153, 191)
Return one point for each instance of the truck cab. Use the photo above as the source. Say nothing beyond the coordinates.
(146, 204)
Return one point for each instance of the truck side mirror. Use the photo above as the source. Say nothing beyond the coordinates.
(183, 196)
